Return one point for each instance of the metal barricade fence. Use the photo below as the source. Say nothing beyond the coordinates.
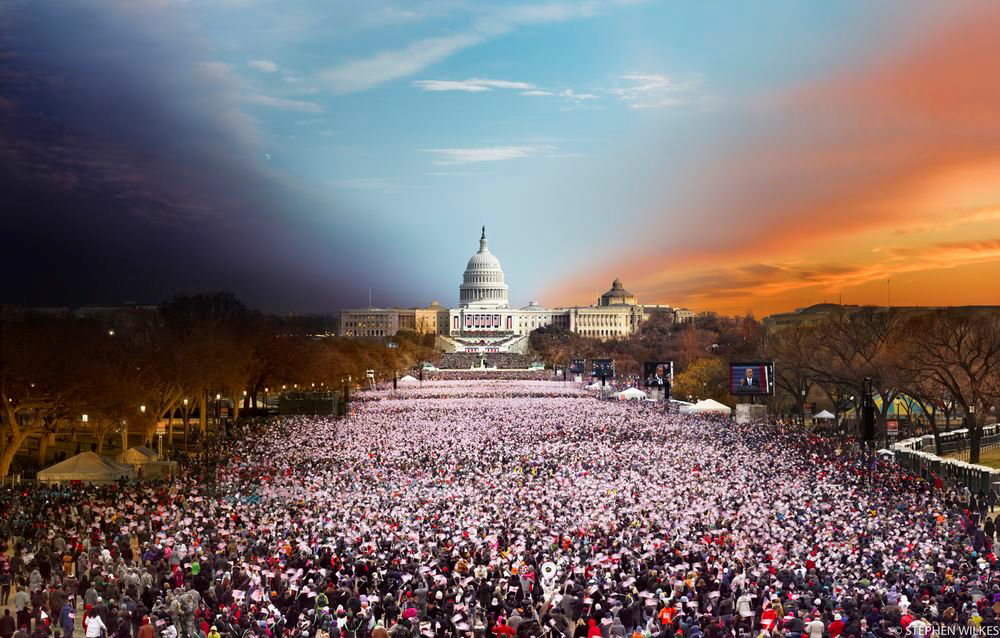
(917, 455)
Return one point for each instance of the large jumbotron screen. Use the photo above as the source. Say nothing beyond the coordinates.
(576, 366)
(751, 379)
(657, 374)
(602, 367)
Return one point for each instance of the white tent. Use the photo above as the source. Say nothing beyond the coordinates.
(89, 467)
(407, 379)
(709, 406)
(146, 463)
(596, 385)
(138, 455)
(825, 414)
(156, 469)
(631, 393)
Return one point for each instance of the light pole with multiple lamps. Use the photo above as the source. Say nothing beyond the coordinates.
(218, 413)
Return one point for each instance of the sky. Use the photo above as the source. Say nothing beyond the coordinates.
(727, 156)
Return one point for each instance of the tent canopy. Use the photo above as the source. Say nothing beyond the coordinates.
(825, 414)
(710, 405)
(632, 393)
(138, 455)
(407, 379)
(90, 467)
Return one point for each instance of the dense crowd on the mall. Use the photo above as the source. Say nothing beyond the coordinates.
(498, 509)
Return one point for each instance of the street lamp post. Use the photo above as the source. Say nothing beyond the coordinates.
(218, 413)
(185, 425)
(971, 425)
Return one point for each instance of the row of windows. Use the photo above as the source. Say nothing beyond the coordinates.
(598, 320)
(483, 279)
(599, 333)
(536, 322)
(366, 324)
(482, 321)
(365, 333)
(482, 294)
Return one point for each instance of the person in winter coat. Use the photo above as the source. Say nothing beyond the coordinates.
(617, 629)
(815, 628)
(593, 631)
(768, 618)
(95, 626)
(7, 624)
(67, 619)
(503, 630)
(145, 629)
(35, 580)
(836, 627)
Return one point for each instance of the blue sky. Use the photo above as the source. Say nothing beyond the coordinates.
(429, 119)
(586, 135)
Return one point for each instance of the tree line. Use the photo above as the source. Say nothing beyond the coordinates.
(130, 370)
(943, 364)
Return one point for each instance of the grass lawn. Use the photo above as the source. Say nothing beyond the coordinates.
(989, 458)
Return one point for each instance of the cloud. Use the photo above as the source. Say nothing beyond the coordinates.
(775, 279)
(472, 85)
(651, 90)
(451, 156)
(285, 104)
(904, 139)
(364, 73)
(577, 96)
(481, 85)
(265, 66)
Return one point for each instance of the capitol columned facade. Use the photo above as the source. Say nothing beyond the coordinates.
(484, 322)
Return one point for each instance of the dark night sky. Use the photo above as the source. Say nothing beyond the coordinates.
(128, 172)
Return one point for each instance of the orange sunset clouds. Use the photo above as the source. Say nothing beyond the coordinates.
(885, 168)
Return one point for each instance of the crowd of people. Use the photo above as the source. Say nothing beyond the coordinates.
(508, 509)
(499, 360)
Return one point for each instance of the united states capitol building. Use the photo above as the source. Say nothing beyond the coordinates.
(484, 322)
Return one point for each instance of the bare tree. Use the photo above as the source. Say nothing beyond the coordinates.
(792, 349)
(854, 344)
(960, 352)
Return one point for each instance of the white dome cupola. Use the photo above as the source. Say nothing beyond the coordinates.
(482, 284)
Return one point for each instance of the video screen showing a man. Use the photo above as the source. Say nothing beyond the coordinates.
(657, 375)
(748, 379)
(749, 383)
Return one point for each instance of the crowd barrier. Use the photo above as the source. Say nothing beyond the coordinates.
(917, 455)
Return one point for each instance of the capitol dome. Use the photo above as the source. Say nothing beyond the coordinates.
(617, 296)
(482, 284)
